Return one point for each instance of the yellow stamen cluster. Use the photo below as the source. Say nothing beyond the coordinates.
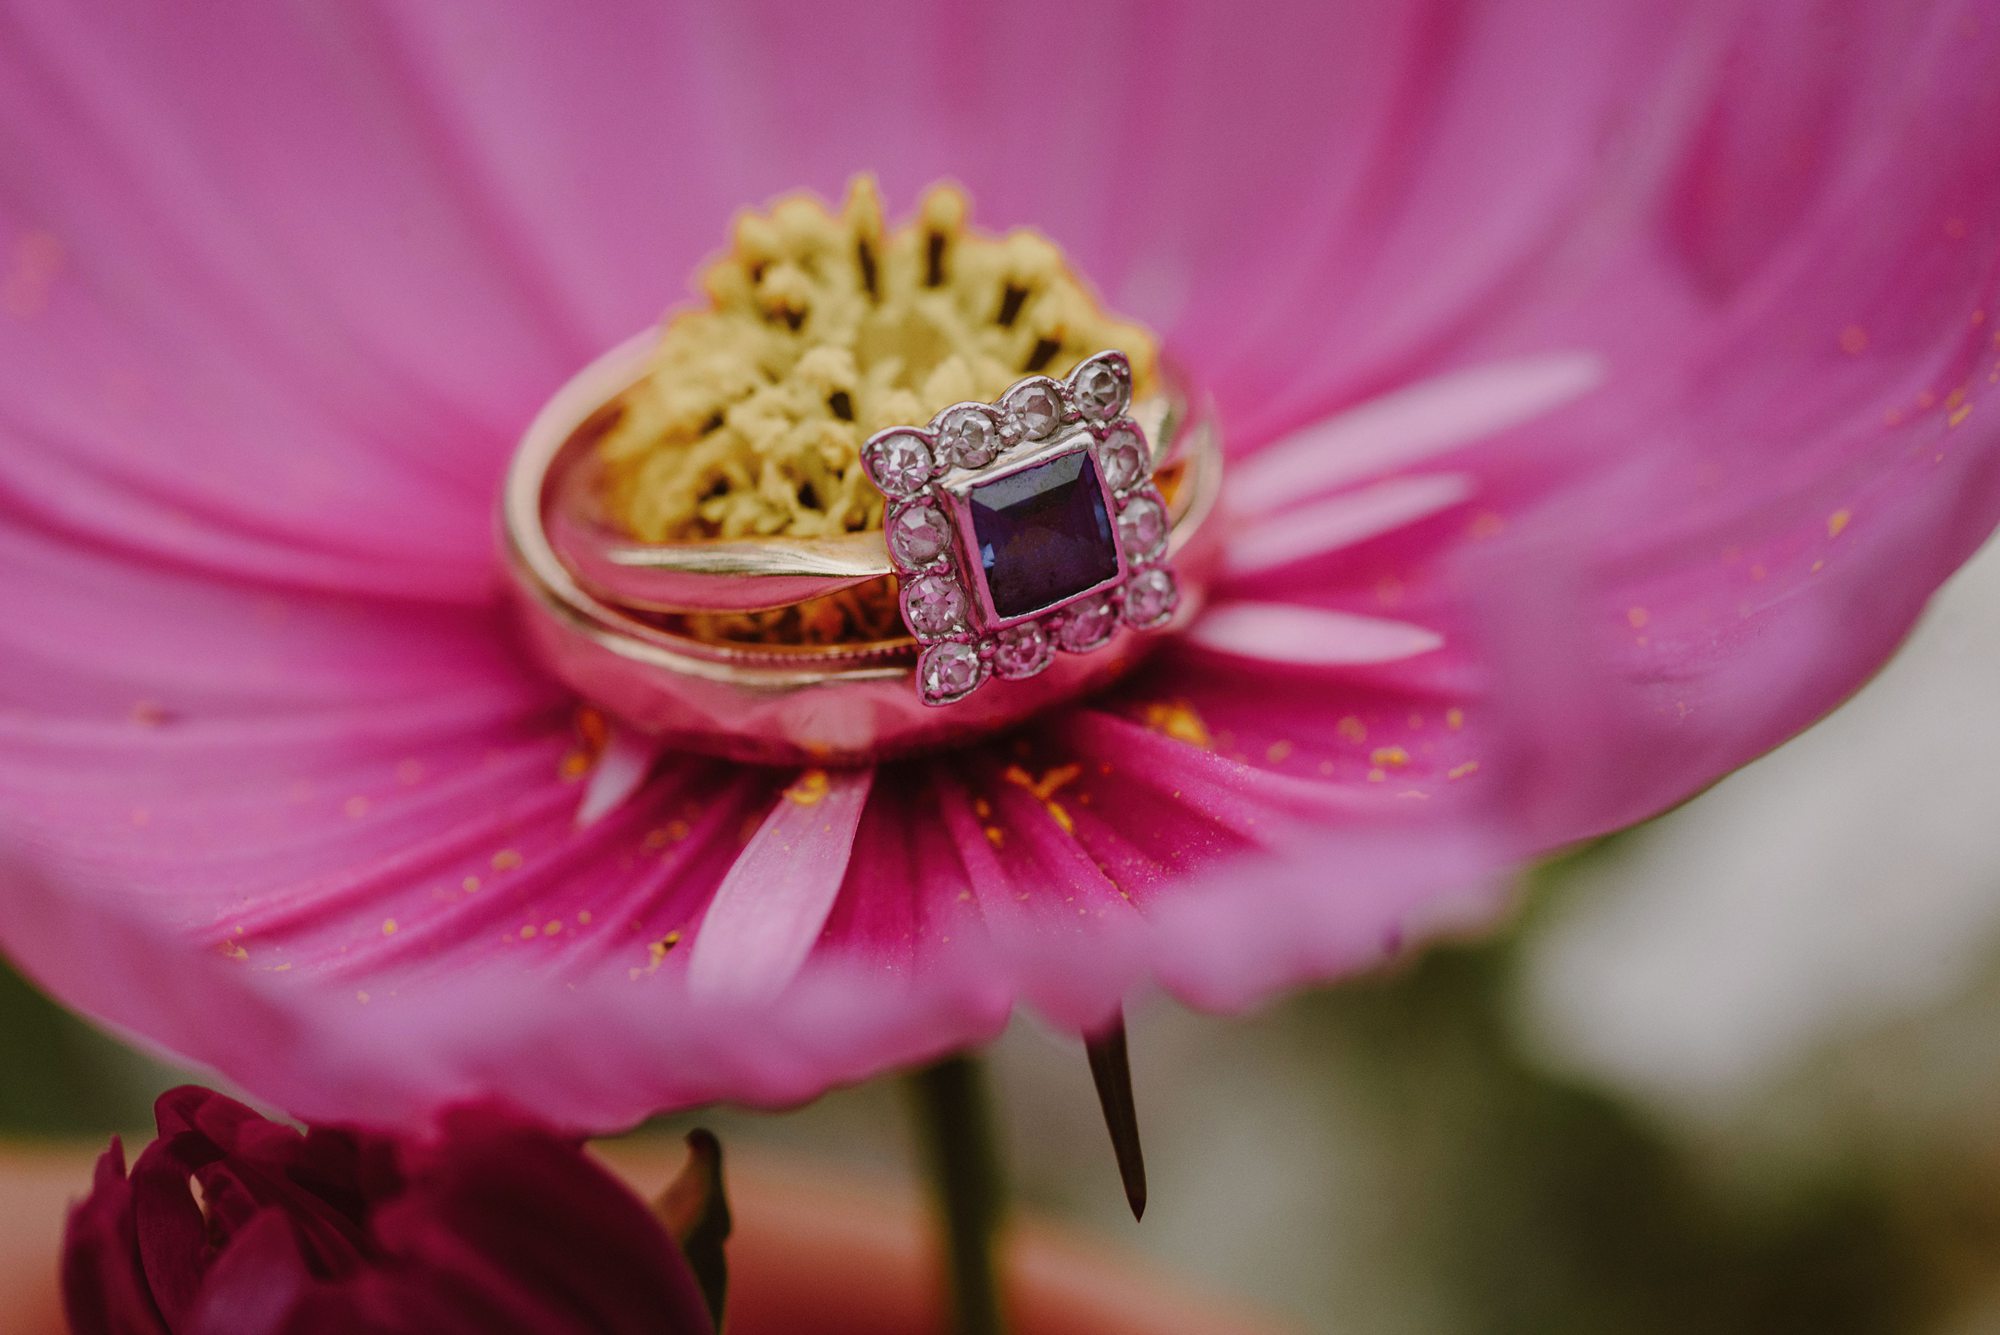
(820, 329)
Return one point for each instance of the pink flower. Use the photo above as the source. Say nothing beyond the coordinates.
(501, 1227)
(1606, 392)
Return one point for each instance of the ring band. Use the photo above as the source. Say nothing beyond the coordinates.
(786, 704)
(752, 574)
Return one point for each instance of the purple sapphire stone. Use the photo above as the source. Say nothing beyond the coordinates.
(1043, 534)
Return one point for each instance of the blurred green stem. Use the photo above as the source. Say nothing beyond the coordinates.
(955, 1123)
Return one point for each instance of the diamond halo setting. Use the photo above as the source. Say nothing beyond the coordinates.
(1024, 526)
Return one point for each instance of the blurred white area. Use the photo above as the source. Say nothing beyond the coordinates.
(1849, 879)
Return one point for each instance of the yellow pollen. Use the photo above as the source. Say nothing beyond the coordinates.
(470, 884)
(592, 735)
(1957, 418)
(1454, 718)
(528, 932)
(1460, 771)
(1391, 757)
(1177, 719)
(1051, 782)
(1637, 617)
(506, 860)
(656, 954)
(1352, 729)
(1045, 789)
(1377, 775)
(1837, 521)
(996, 836)
(583, 918)
(1277, 752)
(816, 329)
(388, 926)
(809, 788)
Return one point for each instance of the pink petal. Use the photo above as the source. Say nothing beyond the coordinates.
(398, 1055)
(628, 759)
(1281, 633)
(1328, 526)
(1397, 884)
(1061, 927)
(1411, 425)
(771, 906)
(278, 295)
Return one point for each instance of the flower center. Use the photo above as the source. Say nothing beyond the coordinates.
(820, 329)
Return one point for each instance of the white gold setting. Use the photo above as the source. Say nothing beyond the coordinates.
(1090, 553)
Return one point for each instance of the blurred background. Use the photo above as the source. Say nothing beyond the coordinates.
(1735, 1071)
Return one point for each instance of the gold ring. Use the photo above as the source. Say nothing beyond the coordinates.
(608, 615)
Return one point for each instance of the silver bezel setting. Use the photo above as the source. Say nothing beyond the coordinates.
(1088, 418)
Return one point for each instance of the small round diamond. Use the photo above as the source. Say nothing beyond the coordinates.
(1100, 390)
(918, 534)
(1036, 406)
(947, 671)
(969, 437)
(1142, 528)
(1124, 457)
(1150, 597)
(1086, 625)
(933, 605)
(1022, 651)
(898, 462)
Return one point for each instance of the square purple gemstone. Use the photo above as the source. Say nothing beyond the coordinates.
(1043, 534)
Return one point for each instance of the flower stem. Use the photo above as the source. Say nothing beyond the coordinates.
(956, 1125)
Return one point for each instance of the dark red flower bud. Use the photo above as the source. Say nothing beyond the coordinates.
(231, 1224)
